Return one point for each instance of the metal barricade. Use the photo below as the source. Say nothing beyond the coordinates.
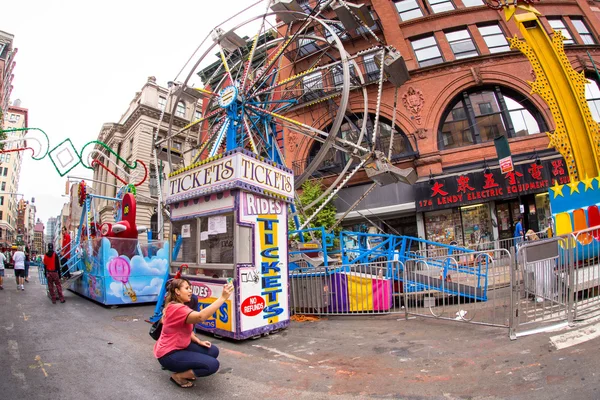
(353, 289)
(469, 287)
(542, 297)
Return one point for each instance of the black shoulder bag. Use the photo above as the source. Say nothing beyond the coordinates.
(156, 329)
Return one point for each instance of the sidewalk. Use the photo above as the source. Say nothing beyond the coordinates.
(87, 350)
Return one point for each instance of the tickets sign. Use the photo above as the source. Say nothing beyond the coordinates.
(235, 167)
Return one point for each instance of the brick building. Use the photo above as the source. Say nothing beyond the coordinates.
(466, 88)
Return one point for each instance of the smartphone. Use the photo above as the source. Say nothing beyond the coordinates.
(230, 281)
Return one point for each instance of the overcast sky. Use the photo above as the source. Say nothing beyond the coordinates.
(80, 63)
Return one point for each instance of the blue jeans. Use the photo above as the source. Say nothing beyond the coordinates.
(203, 361)
(27, 264)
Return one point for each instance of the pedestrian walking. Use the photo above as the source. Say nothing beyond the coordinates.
(2, 261)
(178, 349)
(19, 260)
(27, 264)
(518, 232)
(51, 269)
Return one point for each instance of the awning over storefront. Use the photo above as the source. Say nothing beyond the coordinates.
(396, 198)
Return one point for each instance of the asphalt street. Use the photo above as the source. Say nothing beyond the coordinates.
(84, 350)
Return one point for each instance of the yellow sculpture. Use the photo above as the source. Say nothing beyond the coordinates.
(577, 135)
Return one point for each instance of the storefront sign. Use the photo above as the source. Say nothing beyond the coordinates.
(479, 187)
(235, 167)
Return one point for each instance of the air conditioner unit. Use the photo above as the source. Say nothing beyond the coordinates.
(394, 67)
(281, 9)
(348, 20)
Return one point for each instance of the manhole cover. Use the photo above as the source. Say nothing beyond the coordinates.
(127, 318)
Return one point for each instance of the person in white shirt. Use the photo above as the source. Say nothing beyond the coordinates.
(2, 260)
(19, 260)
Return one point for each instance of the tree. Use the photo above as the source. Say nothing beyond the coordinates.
(311, 190)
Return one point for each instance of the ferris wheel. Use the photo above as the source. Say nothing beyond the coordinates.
(283, 81)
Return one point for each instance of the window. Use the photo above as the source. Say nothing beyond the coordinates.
(472, 3)
(1, 200)
(592, 95)
(408, 9)
(583, 31)
(307, 45)
(338, 75)
(13, 118)
(313, 85)
(1, 215)
(153, 182)
(427, 51)
(305, 6)
(219, 244)
(485, 108)
(5, 173)
(494, 38)
(438, 6)
(3, 187)
(461, 44)
(118, 153)
(374, 27)
(480, 115)
(197, 115)
(131, 146)
(339, 30)
(558, 24)
(177, 145)
(371, 69)
(162, 103)
(180, 109)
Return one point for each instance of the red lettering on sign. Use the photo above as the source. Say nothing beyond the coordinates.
(437, 189)
(536, 171)
(252, 306)
(463, 184)
(489, 181)
(558, 167)
(512, 177)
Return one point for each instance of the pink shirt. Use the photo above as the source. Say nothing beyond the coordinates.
(176, 334)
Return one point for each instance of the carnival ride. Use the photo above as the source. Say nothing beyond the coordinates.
(257, 97)
(287, 86)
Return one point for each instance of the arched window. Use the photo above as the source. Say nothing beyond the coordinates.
(180, 109)
(592, 95)
(482, 114)
(350, 130)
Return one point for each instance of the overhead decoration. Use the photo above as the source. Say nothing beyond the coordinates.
(65, 157)
(81, 193)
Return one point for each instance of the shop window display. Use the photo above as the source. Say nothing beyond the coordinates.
(444, 226)
(477, 224)
(542, 205)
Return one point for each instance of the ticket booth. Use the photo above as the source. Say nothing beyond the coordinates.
(231, 212)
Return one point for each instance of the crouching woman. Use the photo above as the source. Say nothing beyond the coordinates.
(178, 349)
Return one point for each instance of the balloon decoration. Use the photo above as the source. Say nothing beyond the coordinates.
(119, 269)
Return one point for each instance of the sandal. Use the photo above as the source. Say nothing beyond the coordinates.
(184, 386)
